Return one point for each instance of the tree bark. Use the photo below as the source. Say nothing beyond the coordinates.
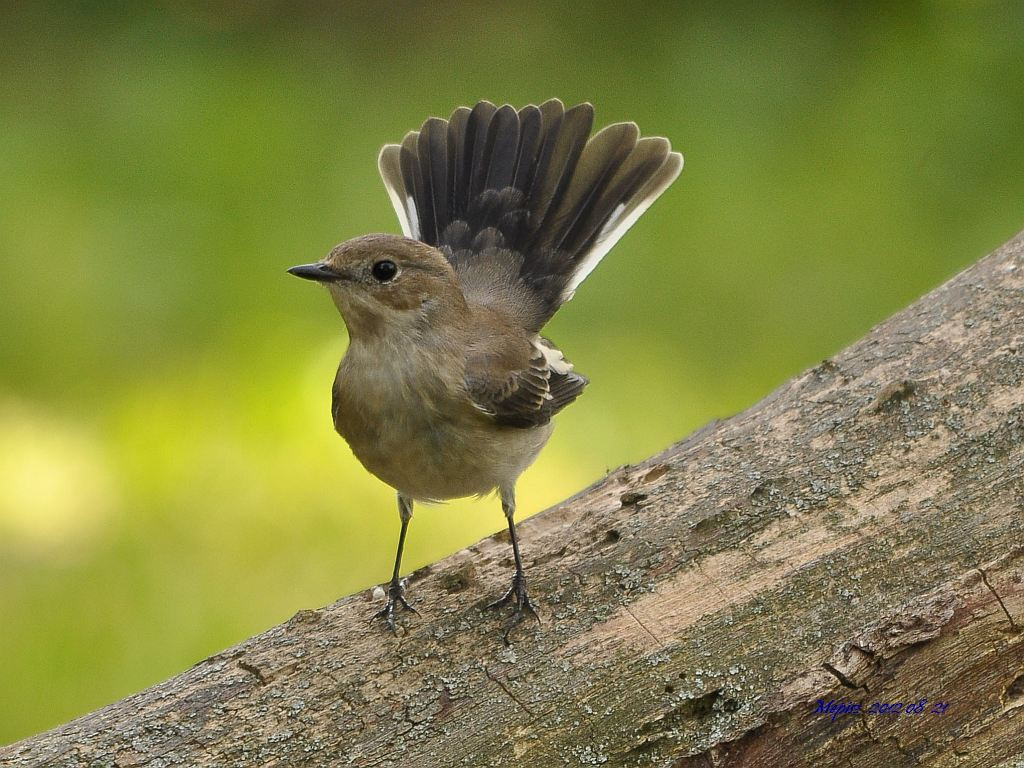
(855, 538)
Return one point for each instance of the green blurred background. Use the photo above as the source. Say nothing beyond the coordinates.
(169, 480)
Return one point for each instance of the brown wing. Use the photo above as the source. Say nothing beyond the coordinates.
(528, 397)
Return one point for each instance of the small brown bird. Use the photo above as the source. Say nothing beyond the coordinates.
(447, 389)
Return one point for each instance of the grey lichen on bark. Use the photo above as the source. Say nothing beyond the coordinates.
(855, 538)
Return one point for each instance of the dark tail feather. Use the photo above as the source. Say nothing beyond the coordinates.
(530, 182)
(458, 125)
(475, 152)
(563, 143)
(502, 146)
(648, 171)
(432, 147)
(600, 159)
(530, 126)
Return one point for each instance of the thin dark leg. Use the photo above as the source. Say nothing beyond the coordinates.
(396, 589)
(517, 592)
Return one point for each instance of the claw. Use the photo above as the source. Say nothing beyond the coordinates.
(516, 593)
(396, 598)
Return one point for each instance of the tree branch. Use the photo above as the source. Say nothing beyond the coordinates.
(855, 538)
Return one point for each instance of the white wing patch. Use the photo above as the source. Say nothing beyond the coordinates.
(553, 358)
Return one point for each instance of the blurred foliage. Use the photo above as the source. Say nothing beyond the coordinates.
(169, 479)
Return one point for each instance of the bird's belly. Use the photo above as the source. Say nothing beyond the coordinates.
(431, 457)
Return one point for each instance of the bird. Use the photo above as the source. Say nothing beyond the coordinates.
(447, 388)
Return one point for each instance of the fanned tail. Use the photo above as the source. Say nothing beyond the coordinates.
(525, 193)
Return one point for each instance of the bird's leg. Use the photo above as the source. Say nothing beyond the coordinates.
(396, 589)
(517, 592)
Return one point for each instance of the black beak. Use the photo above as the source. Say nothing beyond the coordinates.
(319, 272)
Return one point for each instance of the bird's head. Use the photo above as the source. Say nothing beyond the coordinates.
(383, 283)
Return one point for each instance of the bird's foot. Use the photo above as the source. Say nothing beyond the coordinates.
(516, 594)
(396, 600)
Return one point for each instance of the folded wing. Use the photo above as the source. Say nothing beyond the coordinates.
(528, 397)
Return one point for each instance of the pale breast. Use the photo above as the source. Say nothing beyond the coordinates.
(418, 431)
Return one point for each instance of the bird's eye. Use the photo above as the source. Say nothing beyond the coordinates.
(384, 270)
